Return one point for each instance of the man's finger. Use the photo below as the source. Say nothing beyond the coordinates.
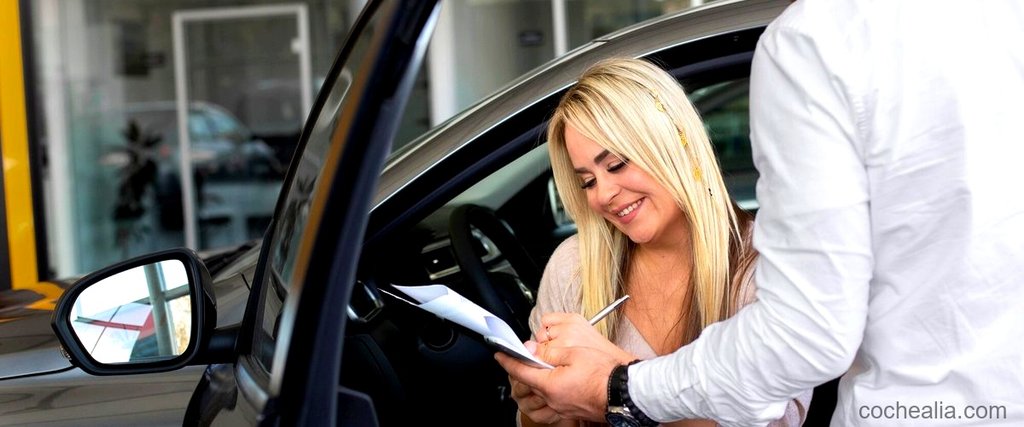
(532, 403)
(544, 415)
(522, 372)
(520, 390)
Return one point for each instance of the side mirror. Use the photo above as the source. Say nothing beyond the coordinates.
(149, 314)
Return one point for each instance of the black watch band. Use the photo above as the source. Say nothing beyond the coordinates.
(621, 410)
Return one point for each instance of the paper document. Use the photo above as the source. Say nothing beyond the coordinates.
(449, 305)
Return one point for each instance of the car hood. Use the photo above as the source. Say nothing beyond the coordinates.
(29, 346)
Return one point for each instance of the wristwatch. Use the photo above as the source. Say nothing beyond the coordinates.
(622, 412)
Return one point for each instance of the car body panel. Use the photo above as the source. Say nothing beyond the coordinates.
(28, 346)
(73, 397)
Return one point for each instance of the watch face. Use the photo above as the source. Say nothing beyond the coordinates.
(618, 419)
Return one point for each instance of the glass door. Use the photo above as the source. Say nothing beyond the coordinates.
(243, 89)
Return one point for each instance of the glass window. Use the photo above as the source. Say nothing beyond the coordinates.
(199, 127)
(725, 107)
(225, 126)
(590, 19)
(105, 79)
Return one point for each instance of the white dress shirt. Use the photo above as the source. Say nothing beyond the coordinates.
(890, 140)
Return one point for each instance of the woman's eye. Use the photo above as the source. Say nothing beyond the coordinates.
(588, 183)
(616, 167)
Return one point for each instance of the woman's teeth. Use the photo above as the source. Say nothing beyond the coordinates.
(629, 208)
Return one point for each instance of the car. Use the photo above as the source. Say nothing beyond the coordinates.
(223, 149)
(236, 175)
(293, 328)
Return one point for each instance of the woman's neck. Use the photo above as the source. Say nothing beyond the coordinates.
(668, 261)
(674, 248)
(659, 285)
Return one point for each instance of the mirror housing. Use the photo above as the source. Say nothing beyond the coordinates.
(122, 328)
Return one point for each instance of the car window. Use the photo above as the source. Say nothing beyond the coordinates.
(198, 127)
(224, 125)
(287, 232)
(724, 107)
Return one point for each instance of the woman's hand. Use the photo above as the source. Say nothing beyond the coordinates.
(572, 330)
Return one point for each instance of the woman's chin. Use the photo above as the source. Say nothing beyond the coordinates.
(638, 238)
(635, 234)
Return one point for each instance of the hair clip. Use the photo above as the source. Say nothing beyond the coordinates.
(657, 101)
(697, 174)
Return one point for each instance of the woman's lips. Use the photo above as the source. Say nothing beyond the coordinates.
(626, 214)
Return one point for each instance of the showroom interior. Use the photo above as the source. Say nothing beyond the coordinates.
(102, 84)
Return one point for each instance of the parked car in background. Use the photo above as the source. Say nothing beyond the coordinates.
(223, 149)
(292, 328)
(237, 177)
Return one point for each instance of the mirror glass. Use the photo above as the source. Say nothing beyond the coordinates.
(139, 315)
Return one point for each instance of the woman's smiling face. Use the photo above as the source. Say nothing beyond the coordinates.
(624, 194)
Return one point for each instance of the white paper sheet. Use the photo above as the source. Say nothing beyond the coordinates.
(449, 305)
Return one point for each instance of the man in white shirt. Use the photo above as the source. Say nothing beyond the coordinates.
(890, 140)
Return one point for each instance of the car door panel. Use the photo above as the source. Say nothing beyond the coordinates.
(288, 370)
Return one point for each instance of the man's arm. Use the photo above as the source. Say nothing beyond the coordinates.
(813, 234)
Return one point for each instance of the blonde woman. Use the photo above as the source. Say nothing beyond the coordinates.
(636, 171)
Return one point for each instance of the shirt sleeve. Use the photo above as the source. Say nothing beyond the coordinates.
(796, 409)
(813, 235)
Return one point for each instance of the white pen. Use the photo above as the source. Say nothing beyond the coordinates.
(605, 311)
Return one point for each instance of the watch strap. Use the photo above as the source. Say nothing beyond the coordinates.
(618, 395)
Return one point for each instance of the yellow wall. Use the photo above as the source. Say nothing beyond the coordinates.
(14, 144)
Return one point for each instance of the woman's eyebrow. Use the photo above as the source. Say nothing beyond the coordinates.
(597, 160)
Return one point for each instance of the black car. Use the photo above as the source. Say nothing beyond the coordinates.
(293, 329)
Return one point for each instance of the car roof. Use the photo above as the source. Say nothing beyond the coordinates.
(640, 40)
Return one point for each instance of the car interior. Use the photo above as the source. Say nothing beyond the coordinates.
(489, 243)
(487, 233)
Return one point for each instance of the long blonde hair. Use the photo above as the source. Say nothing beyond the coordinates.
(637, 111)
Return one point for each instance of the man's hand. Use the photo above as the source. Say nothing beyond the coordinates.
(532, 405)
(576, 388)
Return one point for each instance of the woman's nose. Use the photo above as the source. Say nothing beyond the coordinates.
(606, 192)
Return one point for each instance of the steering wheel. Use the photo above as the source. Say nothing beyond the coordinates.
(498, 293)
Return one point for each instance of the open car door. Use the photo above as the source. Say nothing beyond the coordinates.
(291, 340)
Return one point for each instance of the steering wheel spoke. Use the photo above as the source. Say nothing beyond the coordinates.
(508, 296)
